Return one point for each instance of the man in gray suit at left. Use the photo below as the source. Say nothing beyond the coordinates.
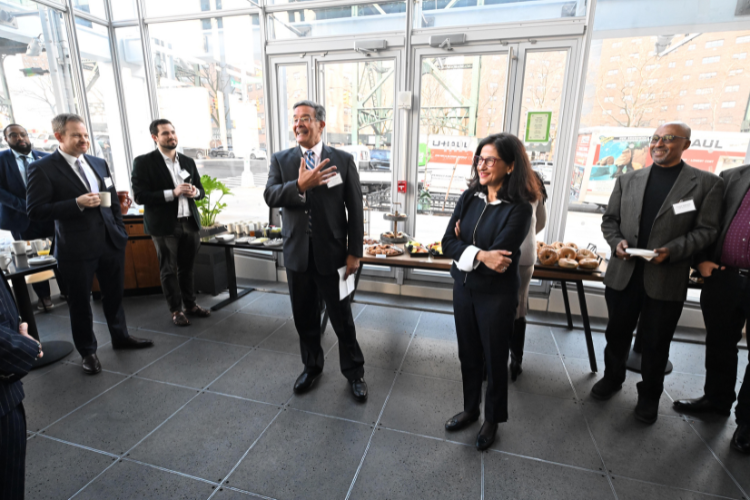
(674, 210)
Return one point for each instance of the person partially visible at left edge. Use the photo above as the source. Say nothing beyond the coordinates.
(323, 228)
(484, 238)
(89, 239)
(725, 302)
(14, 172)
(672, 209)
(18, 351)
(167, 184)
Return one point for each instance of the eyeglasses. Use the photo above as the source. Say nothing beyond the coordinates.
(668, 139)
(305, 120)
(489, 161)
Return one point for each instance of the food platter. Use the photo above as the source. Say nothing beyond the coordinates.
(568, 257)
(390, 237)
(436, 250)
(383, 251)
(416, 249)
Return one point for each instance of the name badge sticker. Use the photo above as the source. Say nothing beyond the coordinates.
(184, 174)
(107, 182)
(684, 207)
(335, 181)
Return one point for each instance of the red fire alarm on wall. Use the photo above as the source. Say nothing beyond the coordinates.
(402, 186)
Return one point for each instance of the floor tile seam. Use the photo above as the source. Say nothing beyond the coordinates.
(249, 493)
(170, 471)
(139, 377)
(548, 462)
(252, 445)
(246, 313)
(382, 409)
(713, 453)
(199, 392)
(602, 404)
(258, 296)
(481, 465)
(79, 446)
(416, 309)
(607, 474)
(217, 393)
(652, 483)
(325, 415)
(282, 325)
(425, 436)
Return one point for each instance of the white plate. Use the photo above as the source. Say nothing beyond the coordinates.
(641, 252)
(40, 261)
(225, 237)
(244, 239)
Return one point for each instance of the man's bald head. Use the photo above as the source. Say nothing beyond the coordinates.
(669, 153)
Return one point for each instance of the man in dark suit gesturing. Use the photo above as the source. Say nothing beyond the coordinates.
(167, 185)
(725, 301)
(673, 210)
(318, 188)
(14, 171)
(90, 239)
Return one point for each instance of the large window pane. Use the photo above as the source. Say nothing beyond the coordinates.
(359, 99)
(94, 7)
(336, 21)
(461, 100)
(636, 81)
(158, 8)
(134, 86)
(210, 85)
(123, 10)
(292, 89)
(101, 94)
(441, 13)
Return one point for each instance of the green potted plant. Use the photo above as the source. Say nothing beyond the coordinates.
(211, 206)
(210, 264)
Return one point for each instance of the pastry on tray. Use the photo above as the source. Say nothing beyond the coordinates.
(387, 250)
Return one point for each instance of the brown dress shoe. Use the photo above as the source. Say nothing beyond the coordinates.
(198, 312)
(179, 319)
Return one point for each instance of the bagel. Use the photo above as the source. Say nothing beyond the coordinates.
(567, 263)
(572, 245)
(539, 250)
(588, 263)
(567, 253)
(548, 256)
(558, 245)
(585, 253)
(539, 245)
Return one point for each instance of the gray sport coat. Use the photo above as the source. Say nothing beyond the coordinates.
(684, 235)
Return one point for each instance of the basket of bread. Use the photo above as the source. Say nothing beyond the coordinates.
(568, 256)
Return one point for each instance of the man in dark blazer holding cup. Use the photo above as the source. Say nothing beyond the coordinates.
(76, 191)
(671, 210)
(323, 228)
(167, 185)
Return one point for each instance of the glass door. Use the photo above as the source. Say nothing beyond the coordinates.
(291, 83)
(359, 97)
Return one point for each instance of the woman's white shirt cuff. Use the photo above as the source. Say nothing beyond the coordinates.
(467, 263)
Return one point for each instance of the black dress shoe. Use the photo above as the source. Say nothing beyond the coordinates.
(700, 405)
(305, 381)
(91, 364)
(359, 389)
(741, 439)
(605, 389)
(461, 420)
(198, 312)
(647, 410)
(132, 343)
(515, 369)
(486, 435)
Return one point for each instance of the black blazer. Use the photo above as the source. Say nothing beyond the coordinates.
(150, 178)
(13, 196)
(337, 212)
(736, 185)
(51, 195)
(17, 353)
(502, 227)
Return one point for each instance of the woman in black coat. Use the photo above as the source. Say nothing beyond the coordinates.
(484, 238)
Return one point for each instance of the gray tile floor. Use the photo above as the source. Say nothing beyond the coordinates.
(210, 413)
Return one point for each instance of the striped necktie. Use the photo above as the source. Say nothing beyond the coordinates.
(310, 164)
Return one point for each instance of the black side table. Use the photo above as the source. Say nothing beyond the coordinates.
(54, 350)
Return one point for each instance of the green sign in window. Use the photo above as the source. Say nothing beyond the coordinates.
(538, 125)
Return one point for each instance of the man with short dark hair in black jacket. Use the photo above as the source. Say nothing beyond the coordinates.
(167, 185)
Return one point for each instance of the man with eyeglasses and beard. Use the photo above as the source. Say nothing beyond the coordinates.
(669, 208)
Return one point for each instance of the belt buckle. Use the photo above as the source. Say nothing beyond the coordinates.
(744, 272)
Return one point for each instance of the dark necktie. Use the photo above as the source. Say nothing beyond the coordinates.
(25, 175)
(310, 164)
(83, 174)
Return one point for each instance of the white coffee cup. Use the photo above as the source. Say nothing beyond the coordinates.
(19, 247)
(106, 198)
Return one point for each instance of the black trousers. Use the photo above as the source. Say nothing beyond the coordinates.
(484, 324)
(658, 321)
(41, 289)
(305, 290)
(13, 454)
(725, 301)
(176, 255)
(79, 276)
